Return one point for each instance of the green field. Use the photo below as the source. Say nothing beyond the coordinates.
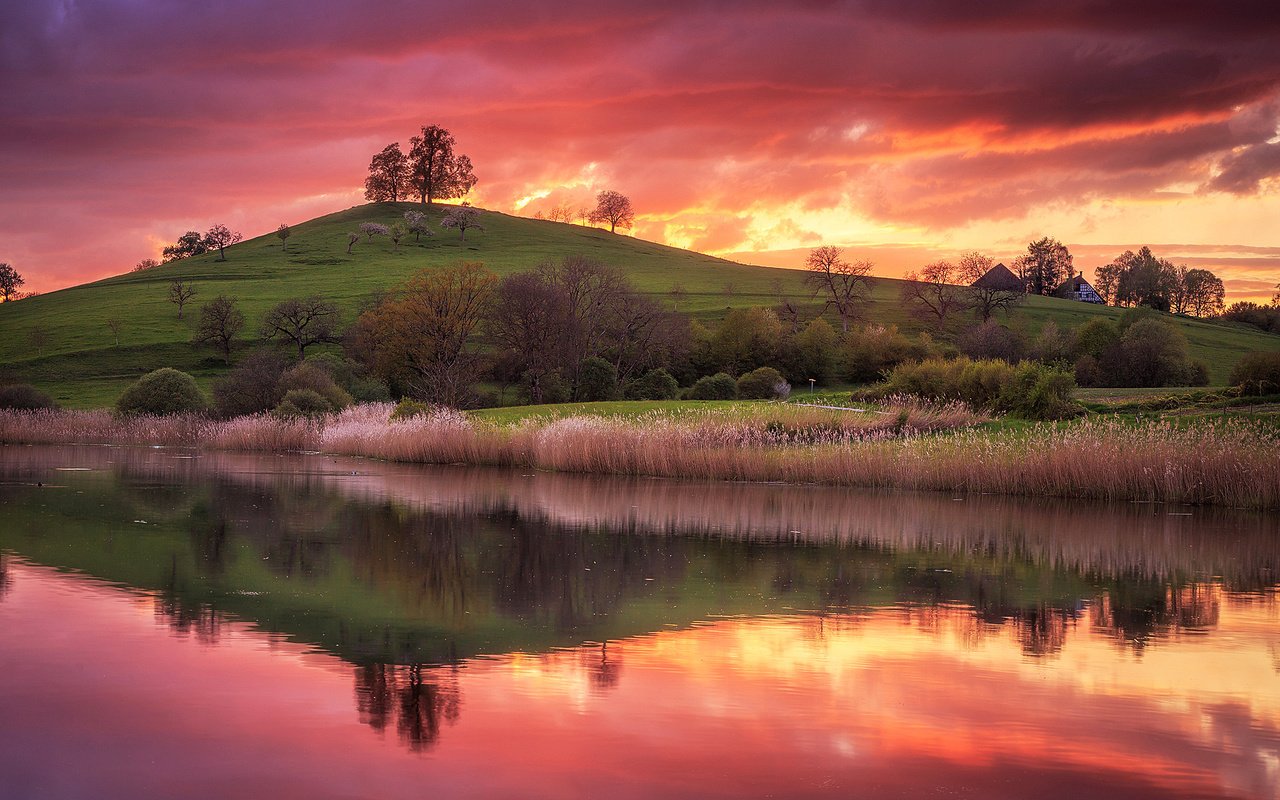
(79, 364)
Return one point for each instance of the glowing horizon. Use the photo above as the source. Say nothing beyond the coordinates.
(905, 131)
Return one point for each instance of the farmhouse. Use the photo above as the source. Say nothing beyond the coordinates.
(1001, 279)
(1077, 288)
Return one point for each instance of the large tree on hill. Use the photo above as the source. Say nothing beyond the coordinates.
(219, 237)
(985, 297)
(220, 321)
(389, 176)
(189, 244)
(435, 173)
(10, 280)
(932, 292)
(1046, 264)
(614, 208)
(842, 284)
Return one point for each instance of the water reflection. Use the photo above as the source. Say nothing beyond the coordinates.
(853, 632)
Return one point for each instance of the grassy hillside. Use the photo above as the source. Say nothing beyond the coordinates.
(80, 365)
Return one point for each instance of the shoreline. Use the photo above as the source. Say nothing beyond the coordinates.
(1231, 463)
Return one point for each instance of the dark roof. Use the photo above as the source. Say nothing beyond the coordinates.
(1072, 284)
(1000, 278)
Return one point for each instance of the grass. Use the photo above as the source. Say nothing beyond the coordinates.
(81, 368)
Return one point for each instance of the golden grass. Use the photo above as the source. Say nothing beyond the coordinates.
(1232, 463)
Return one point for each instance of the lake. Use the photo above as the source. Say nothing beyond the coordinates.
(185, 624)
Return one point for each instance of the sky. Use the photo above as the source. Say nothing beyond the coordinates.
(903, 130)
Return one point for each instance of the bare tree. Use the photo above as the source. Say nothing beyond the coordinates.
(844, 286)
(932, 292)
(39, 337)
(145, 264)
(10, 280)
(284, 232)
(987, 295)
(389, 175)
(396, 232)
(462, 217)
(303, 321)
(220, 321)
(180, 293)
(352, 238)
(115, 325)
(614, 208)
(220, 237)
(434, 171)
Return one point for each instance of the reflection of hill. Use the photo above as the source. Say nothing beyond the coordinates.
(389, 564)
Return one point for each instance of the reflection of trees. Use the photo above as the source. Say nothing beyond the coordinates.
(6, 579)
(604, 666)
(1137, 611)
(416, 698)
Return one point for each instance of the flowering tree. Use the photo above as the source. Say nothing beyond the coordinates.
(372, 229)
(417, 224)
(614, 208)
(462, 217)
(219, 236)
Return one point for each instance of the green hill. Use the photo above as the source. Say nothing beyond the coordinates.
(79, 363)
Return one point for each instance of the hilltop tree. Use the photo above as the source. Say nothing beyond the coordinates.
(462, 217)
(180, 293)
(424, 336)
(220, 321)
(843, 285)
(219, 237)
(283, 233)
(614, 208)
(985, 298)
(189, 244)
(932, 291)
(389, 176)
(303, 321)
(1203, 292)
(10, 280)
(435, 173)
(1046, 264)
(145, 264)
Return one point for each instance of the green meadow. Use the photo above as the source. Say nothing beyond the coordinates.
(61, 341)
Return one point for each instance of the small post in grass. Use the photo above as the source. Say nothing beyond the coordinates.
(812, 383)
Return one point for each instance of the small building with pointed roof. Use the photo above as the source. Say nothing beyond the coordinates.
(1077, 288)
(1001, 279)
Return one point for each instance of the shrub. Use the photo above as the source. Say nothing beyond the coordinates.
(871, 350)
(597, 380)
(1266, 318)
(720, 386)
(1153, 353)
(1088, 371)
(765, 383)
(342, 370)
(309, 376)
(24, 397)
(303, 403)
(1097, 338)
(656, 384)
(991, 340)
(165, 391)
(369, 390)
(1031, 390)
(1257, 374)
(252, 387)
(407, 409)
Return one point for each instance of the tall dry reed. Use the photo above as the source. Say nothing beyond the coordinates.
(1232, 463)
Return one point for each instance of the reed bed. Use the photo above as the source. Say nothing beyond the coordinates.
(1232, 463)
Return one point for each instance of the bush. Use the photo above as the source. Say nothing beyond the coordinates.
(165, 391)
(991, 340)
(720, 386)
(369, 390)
(765, 383)
(656, 384)
(252, 387)
(871, 350)
(311, 377)
(1031, 390)
(1257, 374)
(407, 409)
(24, 397)
(342, 370)
(597, 380)
(1153, 353)
(303, 403)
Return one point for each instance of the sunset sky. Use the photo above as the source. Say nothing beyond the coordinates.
(904, 130)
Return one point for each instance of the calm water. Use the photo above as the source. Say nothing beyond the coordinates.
(184, 625)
